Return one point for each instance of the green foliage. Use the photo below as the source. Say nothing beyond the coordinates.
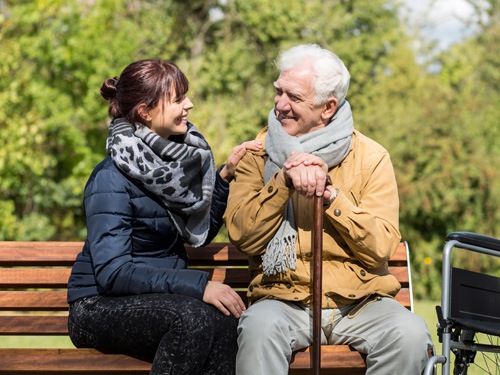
(440, 125)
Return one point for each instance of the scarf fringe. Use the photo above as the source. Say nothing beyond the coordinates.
(280, 255)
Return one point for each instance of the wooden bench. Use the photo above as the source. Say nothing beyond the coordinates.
(33, 277)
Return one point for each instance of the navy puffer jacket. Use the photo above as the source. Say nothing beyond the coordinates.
(132, 246)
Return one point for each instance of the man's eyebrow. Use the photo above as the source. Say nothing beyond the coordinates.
(296, 93)
(293, 92)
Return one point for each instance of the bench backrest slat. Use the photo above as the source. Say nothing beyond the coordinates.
(55, 300)
(33, 325)
(13, 253)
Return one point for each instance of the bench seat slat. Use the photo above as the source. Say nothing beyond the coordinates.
(90, 361)
(340, 359)
(70, 360)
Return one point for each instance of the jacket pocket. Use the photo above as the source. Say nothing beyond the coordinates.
(360, 272)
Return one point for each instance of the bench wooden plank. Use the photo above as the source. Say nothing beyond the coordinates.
(55, 300)
(33, 325)
(91, 361)
(46, 277)
(64, 254)
(338, 360)
(34, 277)
(46, 300)
(69, 360)
(15, 253)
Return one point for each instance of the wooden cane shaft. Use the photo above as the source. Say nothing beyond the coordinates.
(317, 247)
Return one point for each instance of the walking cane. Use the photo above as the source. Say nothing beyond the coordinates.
(317, 248)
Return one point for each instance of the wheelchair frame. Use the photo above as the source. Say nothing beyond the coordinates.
(464, 314)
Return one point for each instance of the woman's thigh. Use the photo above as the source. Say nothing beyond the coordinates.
(135, 324)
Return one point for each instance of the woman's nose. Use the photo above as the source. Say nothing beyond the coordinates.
(188, 104)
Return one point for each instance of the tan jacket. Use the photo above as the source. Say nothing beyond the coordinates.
(360, 227)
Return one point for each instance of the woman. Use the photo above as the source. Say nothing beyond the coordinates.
(129, 289)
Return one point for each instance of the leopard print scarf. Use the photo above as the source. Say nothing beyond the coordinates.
(180, 171)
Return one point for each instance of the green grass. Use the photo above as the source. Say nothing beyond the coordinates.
(35, 342)
(426, 309)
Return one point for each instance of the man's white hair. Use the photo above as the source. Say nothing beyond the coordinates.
(331, 75)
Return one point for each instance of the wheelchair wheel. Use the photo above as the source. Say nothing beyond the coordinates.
(477, 354)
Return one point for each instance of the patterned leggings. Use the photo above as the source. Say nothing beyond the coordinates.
(179, 334)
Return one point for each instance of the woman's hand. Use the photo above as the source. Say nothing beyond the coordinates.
(224, 298)
(227, 172)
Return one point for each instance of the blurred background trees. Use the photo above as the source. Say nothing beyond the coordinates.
(438, 118)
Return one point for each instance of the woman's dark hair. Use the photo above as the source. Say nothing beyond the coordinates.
(143, 81)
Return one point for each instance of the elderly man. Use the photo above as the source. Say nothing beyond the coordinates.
(312, 148)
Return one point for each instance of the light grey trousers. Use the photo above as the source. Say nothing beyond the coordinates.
(395, 340)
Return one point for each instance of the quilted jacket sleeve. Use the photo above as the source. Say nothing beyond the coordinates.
(109, 223)
(219, 202)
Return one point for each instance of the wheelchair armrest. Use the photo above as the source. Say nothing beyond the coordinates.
(475, 239)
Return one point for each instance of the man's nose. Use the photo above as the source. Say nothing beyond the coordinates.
(282, 102)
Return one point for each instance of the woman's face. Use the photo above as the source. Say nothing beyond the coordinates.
(169, 117)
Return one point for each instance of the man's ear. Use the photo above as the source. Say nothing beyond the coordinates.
(329, 108)
(143, 112)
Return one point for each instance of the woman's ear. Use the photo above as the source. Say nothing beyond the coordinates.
(143, 112)
(329, 108)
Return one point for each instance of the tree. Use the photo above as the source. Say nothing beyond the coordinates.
(56, 54)
(440, 126)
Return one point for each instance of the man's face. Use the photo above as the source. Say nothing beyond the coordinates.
(294, 104)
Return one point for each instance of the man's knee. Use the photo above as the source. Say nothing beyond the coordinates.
(264, 340)
(262, 323)
(410, 335)
(259, 324)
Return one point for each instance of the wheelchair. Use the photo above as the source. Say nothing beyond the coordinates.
(469, 315)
